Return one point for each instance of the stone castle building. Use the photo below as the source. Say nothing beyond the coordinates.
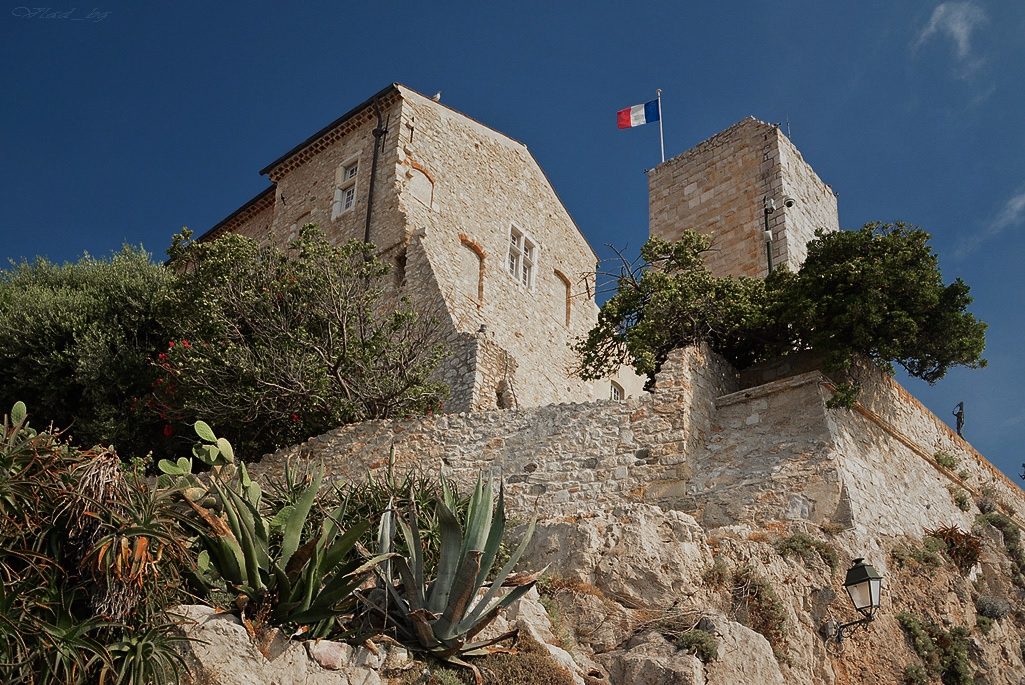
(471, 227)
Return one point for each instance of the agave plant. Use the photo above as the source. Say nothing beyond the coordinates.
(307, 582)
(442, 615)
(367, 498)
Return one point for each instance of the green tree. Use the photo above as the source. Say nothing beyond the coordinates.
(669, 300)
(879, 292)
(274, 345)
(876, 292)
(75, 342)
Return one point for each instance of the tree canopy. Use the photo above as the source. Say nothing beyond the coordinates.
(877, 292)
(274, 345)
(271, 345)
(76, 341)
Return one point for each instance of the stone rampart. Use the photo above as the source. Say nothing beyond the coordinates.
(702, 443)
(563, 458)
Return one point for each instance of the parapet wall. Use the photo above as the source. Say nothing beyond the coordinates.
(701, 443)
(565, 457)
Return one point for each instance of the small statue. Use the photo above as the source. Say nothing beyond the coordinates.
(959, 415)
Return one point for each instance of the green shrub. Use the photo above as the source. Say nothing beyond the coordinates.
(718, 574)
(915, 674)
(945, 460)
(700, 643)
(960, 497)
(945, 654)
(924, 558)
(807, 548)
(276, 343)
(1012, 542)
(986, 504)
(75, 343)
(984, 623)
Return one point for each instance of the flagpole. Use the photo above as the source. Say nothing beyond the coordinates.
(661, 137)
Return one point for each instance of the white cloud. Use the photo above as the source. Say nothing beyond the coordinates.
(1012, 215)
(957, 21)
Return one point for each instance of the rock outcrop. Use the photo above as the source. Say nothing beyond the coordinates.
(727, 504)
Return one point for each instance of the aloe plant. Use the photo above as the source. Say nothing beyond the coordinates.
(88, 565)
(308, 582)
(440, 615)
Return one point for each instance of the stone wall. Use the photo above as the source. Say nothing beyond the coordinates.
(719, 186)
(702, 444)
(564, 458)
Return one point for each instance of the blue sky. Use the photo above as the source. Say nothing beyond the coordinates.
(124, 121)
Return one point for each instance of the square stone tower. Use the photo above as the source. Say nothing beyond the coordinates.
(721, 186)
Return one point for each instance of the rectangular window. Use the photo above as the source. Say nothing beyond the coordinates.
(345, 189)
(522, 258)
(616, 391)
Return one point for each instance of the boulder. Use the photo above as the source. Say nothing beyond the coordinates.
(222, 650)
(652, 660)
(635, 554)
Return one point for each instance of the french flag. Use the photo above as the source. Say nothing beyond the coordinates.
(637, 115)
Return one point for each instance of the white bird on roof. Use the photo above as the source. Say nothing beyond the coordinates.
(437, 97)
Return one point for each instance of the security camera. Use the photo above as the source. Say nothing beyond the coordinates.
(789, 201)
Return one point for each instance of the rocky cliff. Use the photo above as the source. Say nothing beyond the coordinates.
(701, 534)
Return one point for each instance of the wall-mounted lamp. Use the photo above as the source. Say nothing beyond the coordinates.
(864, 586)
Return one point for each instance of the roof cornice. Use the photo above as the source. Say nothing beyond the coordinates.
(340, 127)
(259, 203)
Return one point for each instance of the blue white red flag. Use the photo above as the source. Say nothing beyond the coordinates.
(637, 115)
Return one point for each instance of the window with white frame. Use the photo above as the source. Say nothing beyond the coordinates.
(522, 257)
(345, 188)
(615, 391)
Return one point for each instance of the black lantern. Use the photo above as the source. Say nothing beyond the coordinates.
(864, 585)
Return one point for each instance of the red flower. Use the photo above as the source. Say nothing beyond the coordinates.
(161, 356)
(170, 344)
(185, 343)
(295, 418)
(168, 431)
